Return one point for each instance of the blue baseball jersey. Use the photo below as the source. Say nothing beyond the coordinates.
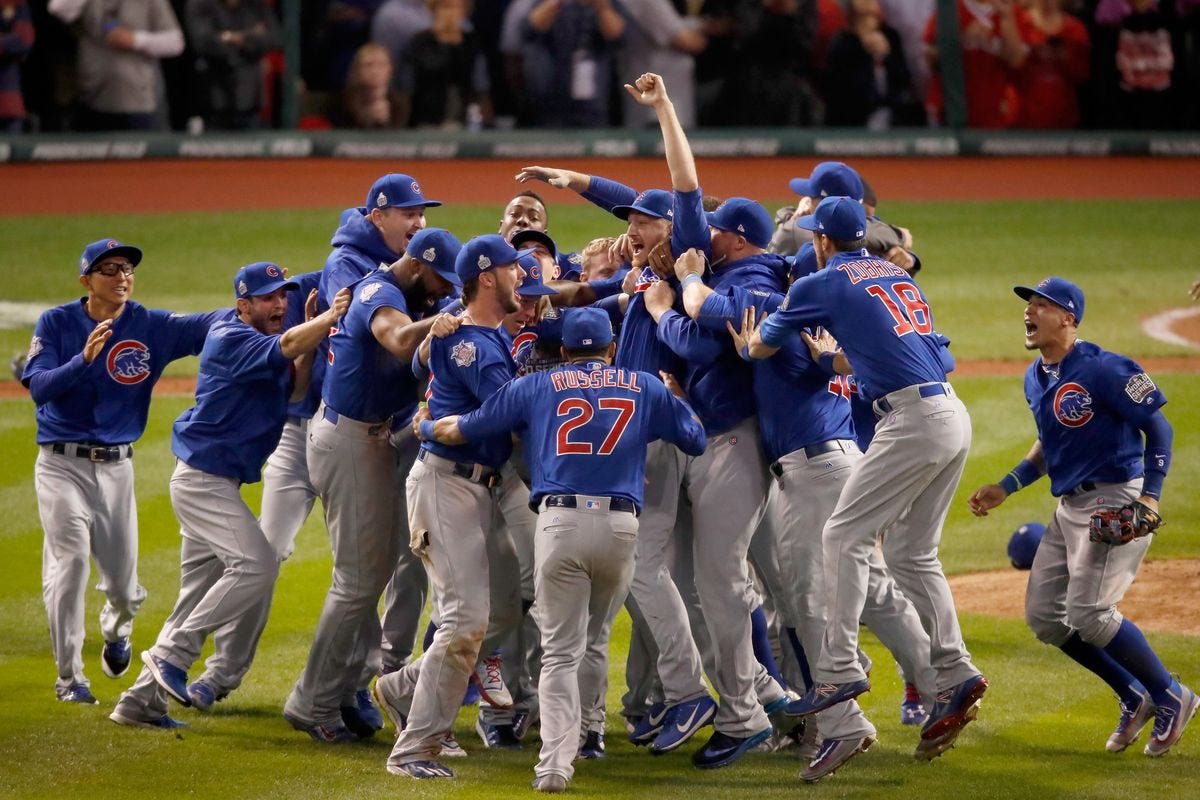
(306, 406)
(1089, 417)
(107, 401)
(363, 380)
(863, 409)
(241, 403)
(584, 427)
(878, 315)
(467, 367)
(358, 250)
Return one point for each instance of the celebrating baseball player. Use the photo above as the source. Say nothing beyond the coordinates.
(452, 497)
(1104, 442)
(91, 367)
(883, 323)
(248, 371)
(586, 427)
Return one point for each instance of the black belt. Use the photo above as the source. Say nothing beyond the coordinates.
(99, 453)
(489, 478)
(925, 390)
(373, 428)
(572, 501)
(1086, 486)
(812, 451)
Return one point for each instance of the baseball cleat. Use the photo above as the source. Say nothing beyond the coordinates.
(550, 783)
(163, 723)
(1171, 718)
(202, 695)
(450, 746)
(723, 749)
(912, 710)
(681, 722)
(78, 693)
(954, 708)
(1135, 715)
(421, 769)
(593, 745)
(824, 695)
(115, 657)
(171, 678)
(393, 699)
(833, 754)
(648, 727)
(332, 733)
(500, 736)
(522, 720)
(780, 704)
(929, 749)
(487, 676)
(363, 717)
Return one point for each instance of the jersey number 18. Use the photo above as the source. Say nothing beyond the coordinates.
(905, 294)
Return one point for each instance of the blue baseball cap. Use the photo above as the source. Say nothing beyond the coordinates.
(397, 190)
(531, 284)
(438, 248)
(259, 278)
(523, 238)
(743, 216)
(1023, 544)
(829, 179)
(570, 265)
(652, 202)
(804, 262)
(841, 218)
(586, 327)
(1059, 291)
(105, 248)
(484, 253)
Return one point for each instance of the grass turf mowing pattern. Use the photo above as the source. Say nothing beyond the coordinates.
(1041, 732)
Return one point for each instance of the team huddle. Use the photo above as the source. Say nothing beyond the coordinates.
(738, 428)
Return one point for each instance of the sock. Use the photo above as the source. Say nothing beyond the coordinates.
(1130, 649)
(1105, 667)
(805, 672)
(911, 695)
(762, 643)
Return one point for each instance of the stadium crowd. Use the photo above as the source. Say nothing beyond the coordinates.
(78, 65)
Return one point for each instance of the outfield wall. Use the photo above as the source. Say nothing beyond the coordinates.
(740, 143)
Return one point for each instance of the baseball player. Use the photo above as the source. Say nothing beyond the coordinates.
(525, 212)
(90, 369)
(1104, 442)
(586, 426)
(356, 468)
(884, 325)
(246, 376)
(452, 502)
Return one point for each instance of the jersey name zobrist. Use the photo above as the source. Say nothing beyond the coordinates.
(873, 268)
(573, 379)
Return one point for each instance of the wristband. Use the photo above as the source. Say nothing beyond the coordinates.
(1020, 476)
(426, 429)
(689, 279)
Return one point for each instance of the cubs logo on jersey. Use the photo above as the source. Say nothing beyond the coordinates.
(129, 362)
(463, 354)
(1073, 405)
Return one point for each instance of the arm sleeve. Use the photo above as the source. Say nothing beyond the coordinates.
(611, 305)
(1157, 461)
(419, 370)
(500, 412)
(674, 420)
(192, 329)
(718, 309)
(689, 340)
(609, 287)
(948, 362)
(46, 374)
(609, 194)
(800, 309)
(250, 355)
(689, 225)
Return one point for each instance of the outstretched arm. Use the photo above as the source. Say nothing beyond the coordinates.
(650, 90)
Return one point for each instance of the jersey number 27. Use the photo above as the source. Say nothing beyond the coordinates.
(914, 317)
(579, 412)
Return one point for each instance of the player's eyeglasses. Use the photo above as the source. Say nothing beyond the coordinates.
(110, 269)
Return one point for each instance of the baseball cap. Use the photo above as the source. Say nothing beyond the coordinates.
(104, 248)
(586, 327)
(652, 202)
(259, 278)
(531, 284)
(483, 253)
(841, 218)
(438, 248)
(829, 179)
(528, 236)
(569, 266)
(397, 190)
(743, 216)
(803, 263)
(1059, 291)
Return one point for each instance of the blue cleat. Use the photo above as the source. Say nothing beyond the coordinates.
(722, 749)
(202, 695)
(912, 710)
(363, 717)
(833, 754)
(1170, 719)
(649, 726)
(682, 721)
(421, 770)
(1135, 714)
(171, 678)
(115, 657)
(497, 737)
(954, 708)
(163, 723)
(593, 745)
(825, 695)
(79, 693)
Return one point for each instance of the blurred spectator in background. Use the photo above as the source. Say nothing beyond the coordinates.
(1136, 64)
(908, 17)
(488, 21)
(568, 47)
(1058, 63)
(120, 44)
(16, 40)
(994, 36)
(758, 71)
(368, 100)
(442, 77)
(397, 22)
(866, 75)
(342, 26)
(662, 38)
(230, 38)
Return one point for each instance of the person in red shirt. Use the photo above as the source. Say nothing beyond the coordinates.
(1059, 61)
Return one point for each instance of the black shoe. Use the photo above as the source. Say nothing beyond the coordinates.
(723, 749)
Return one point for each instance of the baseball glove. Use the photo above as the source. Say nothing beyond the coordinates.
(1117, 526)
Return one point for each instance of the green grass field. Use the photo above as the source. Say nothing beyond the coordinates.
(1043, 724)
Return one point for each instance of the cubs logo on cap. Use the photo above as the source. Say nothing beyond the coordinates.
(107, 248)
(1059, 291)
(532, 284)
(261, 278)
